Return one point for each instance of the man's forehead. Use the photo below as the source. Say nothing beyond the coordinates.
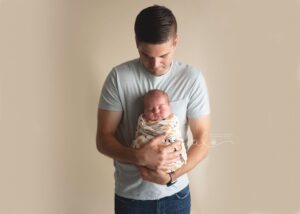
(155, 50)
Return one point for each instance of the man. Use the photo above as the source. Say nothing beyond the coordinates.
(141, 183)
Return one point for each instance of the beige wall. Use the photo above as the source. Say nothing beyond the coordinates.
(54, 56)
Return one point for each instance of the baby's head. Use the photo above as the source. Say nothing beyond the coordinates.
(156, 105)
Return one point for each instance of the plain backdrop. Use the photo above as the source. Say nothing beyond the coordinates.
(55, 55)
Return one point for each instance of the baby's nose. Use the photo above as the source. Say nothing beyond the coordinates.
(156, 110)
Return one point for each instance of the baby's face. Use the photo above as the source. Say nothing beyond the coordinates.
(157, 108)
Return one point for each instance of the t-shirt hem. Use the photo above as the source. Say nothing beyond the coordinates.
(109, 108)
(197, 116)
(184, 184)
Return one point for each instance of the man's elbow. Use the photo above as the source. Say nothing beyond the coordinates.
(205, 150)
(99, 145)
(206, 153)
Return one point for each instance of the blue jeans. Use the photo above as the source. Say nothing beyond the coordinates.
(179, 203)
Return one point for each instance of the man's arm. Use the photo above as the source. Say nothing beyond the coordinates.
(107, 144)
(200, 129)
(149, 155)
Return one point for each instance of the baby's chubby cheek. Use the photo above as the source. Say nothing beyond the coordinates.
(166, 113)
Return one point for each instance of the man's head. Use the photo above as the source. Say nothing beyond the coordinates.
(155, 25)
(156, 105)
(156, 38)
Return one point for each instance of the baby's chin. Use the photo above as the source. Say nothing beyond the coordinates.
(157, 118)
(153, 118)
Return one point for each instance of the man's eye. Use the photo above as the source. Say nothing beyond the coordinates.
(148, 57)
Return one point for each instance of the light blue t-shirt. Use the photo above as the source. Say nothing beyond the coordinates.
(123, 91)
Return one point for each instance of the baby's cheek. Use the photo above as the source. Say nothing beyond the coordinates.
(146, 116)
(167, 112)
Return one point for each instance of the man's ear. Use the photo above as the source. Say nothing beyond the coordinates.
(175, 41)
(136, 43)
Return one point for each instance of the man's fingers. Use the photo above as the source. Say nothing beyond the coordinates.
(172, 157)
(143, 171)
(174, 147)
(158, 139)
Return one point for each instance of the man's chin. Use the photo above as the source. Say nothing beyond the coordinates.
(157, 72)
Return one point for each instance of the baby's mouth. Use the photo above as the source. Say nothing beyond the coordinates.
(158, 117)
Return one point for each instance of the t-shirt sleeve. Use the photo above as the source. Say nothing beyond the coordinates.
(198, 104)
(110, 97)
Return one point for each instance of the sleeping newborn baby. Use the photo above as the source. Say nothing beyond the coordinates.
(158, 119)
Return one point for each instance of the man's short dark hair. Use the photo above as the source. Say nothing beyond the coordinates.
(155, 25)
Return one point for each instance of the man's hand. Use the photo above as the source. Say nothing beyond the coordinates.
(155, 176)
(157, 157)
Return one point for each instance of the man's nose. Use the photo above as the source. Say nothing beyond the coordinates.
(155, 63)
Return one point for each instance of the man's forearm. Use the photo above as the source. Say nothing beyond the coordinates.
(109, 146)
(196, 153)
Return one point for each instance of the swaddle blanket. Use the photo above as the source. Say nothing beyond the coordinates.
(146, 130)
